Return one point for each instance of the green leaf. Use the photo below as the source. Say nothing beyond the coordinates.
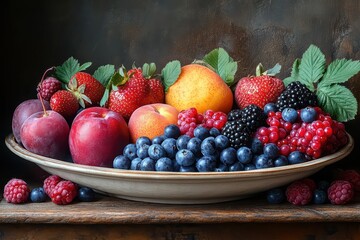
(288, 80)
(104, 73)
(223, 64)
(338, 101)
(148, 70)
(295, 69)
(71, 66)
(339, 71)
(273, 71)
(170, 73)
(105, 97)
(312, 65)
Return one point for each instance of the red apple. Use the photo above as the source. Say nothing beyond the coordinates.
(23, 111)
(97, 136)
(150, 120)
(46, 134)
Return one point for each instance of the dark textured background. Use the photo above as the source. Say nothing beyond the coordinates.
(39, 34)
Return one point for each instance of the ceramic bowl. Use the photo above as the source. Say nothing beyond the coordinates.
(176, 187)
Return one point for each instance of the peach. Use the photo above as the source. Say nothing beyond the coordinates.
(150, 120)
(199, 87)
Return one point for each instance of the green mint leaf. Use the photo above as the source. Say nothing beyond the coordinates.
(104, 73)
(274, 70)
(312, 65)
(339, 71)
(223, 64)
(71, 66)
(338, 101)
(170, 73)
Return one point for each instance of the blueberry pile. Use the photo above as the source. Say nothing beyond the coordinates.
(207, 151)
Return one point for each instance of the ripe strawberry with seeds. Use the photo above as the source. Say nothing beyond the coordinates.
(260, 89)
(65, 103)
(155, 88)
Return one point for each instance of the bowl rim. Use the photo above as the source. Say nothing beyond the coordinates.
(43, 161)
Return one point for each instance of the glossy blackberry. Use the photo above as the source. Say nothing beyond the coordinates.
(253, 116)
(296, 95)
(235, 114)
(238, 133)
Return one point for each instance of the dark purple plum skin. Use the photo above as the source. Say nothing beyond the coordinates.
(23, 111)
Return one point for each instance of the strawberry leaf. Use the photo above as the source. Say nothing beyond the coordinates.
(223, 64)
(105, 97)
(71, 66)
(170, 73)
(273, 71)
(312, 66)
(148, 70)
(104, 73)
(339, 71)
(338, 101)
(294, 72)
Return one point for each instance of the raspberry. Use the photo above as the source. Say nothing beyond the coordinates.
(351, 176)
(48, 87)
(298, 193)
(64, 192)
(50, 183)
(310, 183)
(16, 191)
(188, 121)
(340, 192)
(214, 119)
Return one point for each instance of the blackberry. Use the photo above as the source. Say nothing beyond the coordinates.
(238, 133)
(235, 114)
(253, 116)
(296, 95)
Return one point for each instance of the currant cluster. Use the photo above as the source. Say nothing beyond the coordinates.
(322, 135)
(189, 119)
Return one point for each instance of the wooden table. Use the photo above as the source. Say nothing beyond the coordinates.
(112, 218)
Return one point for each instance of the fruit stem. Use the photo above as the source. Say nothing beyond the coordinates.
(39, 95)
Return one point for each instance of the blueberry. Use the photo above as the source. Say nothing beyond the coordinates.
(141, 141)
(169, 146)
(222, 168)
(256, 146)
(86, 194)
(172, 131)
(208, 147)
(206, 164)
(142, 151)
(289, 115)
(214, 132)
(221, 142)
(147, 164)
(201, 132)
(228, 156)
(164, 164)
(263, 161)
(271, 150)
(237, 166)
(270, 107)
(176, 166)
(38, 195)
(194, 145)
(320, 196)
(249, 166)
(281, 160)
(323, 185)
(182, 141)
(191, 168)
(308, 114)
(121, 162)
(156, 151)
(130, 151)
(275, 196)
(135, 164)
(244, 155)
(296, 157)
(158, 139)
(185, 157)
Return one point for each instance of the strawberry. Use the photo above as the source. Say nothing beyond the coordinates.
(260, 89)
(65, 103)
(130, 90)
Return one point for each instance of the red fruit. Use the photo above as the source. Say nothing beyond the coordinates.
(298, 193)
(156, 94)
(65, 103)
(351, 176)
(310, 183)
(94, 90)
(48, 87)
(340, 192)
(50, 183)
(16, 191)
(64, 192)
(258, 90)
